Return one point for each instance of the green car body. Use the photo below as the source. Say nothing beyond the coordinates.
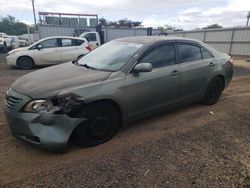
(134, 91)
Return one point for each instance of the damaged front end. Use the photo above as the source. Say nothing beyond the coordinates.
(44, 122)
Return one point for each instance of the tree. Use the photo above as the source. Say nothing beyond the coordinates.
(113, 24)
(11, 26)
(103, 22)
(136, 24)
(123, 23)
(213, 26)
(161, 29)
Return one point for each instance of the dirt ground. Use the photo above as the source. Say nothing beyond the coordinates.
(193, 146)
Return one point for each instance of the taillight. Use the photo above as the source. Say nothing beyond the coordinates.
(88, 47)
(230, 62)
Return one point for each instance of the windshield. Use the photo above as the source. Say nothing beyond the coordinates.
(110, 56)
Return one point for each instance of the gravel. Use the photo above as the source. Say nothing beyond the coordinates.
(192, 146)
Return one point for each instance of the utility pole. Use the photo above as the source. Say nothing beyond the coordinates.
(248, 17)
(34, 13)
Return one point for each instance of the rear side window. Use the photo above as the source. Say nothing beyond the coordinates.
(206, 54)
(188, 52)
(66, 42)
(160, 56)
(77, 42)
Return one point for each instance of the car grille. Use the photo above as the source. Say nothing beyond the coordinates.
(11, 102)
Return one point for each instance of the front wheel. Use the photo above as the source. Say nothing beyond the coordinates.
(25, 63)
(102, 122)
(214, 91)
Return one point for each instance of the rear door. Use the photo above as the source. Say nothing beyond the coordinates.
(50, 52)
(71, 49)
(150, 90)
(195, 69)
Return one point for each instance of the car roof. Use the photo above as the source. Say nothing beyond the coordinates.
(144, 40)
(64, 37)
(153, 39)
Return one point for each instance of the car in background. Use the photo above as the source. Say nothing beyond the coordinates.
(14, 41)
(5, 41)
(93, 38)
(122, 80)
(49, 51)
(23, 41)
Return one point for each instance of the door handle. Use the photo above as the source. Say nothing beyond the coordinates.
(174, 73)
(211, 64)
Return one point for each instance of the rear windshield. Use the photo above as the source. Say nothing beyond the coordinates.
(110, 56)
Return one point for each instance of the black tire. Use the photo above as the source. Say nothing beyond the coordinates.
(5, 49)
(101, 125)
(213, 92)
(25, 63)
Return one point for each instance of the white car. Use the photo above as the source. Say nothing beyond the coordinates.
(23, 41)
(48, 51)
(93, 38)
(5, 41)
(14, 41)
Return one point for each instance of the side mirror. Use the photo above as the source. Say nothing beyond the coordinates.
(39, 46)
(142, 67)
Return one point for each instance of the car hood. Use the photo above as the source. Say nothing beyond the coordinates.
(17, 50)
(50, 81)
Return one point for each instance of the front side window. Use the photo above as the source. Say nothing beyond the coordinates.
(50, 43)
(66, 42)
(160, 56)
(188, 52)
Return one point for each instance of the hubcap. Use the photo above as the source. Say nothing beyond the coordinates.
(215, 90)
(99, 127)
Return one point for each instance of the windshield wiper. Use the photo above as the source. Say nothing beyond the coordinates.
(87, 66)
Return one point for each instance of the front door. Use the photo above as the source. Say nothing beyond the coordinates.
(150, 90)
(49, 53)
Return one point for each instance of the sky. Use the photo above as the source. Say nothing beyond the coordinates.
(185, 14)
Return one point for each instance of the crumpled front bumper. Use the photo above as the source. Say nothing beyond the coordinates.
(49, 131)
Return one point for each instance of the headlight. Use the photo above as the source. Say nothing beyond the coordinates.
(41, 106)
(57, 105)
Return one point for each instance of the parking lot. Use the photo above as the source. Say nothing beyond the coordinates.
(192, 146)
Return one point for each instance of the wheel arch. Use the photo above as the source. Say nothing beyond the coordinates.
(80, 56)
(24, 56)
(111, 102)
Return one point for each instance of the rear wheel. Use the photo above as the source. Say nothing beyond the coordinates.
(25, 63)
(214, 91)
(101, 125)
(5, 49)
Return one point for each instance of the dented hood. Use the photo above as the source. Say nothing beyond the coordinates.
(50, 81)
